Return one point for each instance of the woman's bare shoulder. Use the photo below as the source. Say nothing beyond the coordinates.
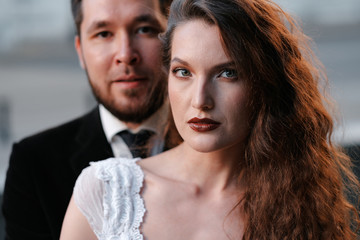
(162, 171)
(162, 164)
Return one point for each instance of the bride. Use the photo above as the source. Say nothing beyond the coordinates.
(256, 161)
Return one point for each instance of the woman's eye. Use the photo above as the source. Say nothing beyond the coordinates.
(228, 73)
(103, 34)
(180, 72)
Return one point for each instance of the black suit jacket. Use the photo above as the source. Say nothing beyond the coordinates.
(42, 172)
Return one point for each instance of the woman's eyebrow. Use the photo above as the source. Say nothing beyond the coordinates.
(218, 66)
(176, 59)
(224, 65)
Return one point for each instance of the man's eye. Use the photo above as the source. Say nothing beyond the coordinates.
(147, 30)
(103, 34)
(180, 72)
(228, 73)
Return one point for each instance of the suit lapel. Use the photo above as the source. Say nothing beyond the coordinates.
(91, 143)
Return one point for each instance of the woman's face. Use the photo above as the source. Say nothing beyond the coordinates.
(207, 97)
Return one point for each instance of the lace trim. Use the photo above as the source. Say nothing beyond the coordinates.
(123, 205)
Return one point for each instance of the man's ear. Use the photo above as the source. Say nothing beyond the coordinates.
(77, 43)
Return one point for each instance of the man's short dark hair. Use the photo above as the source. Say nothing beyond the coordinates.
(78, 16)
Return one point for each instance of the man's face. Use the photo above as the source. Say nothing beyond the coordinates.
(120, 51)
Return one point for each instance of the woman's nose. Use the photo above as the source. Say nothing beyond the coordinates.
(202, 96)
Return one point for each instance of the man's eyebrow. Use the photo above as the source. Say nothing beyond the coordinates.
(147, 18)
(97, 25)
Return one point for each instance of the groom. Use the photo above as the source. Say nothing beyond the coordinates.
(118, 47)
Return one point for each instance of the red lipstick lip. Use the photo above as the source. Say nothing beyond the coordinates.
(203, 124)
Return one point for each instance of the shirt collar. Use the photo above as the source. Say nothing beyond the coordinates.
(113, 125)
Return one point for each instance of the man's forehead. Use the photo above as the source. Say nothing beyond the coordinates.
(121, 10)
(122, 6)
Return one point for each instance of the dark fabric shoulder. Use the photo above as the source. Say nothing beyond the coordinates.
(57, 133)
(42, 172)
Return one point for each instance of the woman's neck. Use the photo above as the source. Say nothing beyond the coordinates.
(212, 172)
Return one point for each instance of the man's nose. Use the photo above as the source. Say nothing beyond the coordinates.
(202, 95)
(126, 51)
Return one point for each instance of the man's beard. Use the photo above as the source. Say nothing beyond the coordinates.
(154, 99)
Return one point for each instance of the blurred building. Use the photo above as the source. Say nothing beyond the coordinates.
(33, 20)
(324, 12)
(41, 20)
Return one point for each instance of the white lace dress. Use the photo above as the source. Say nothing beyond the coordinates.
(108, 194)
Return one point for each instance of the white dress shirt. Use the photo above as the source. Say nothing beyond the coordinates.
(112, 126)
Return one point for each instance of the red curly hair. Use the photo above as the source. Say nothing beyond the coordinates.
(296, 177)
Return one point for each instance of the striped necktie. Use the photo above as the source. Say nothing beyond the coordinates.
(137, 142)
